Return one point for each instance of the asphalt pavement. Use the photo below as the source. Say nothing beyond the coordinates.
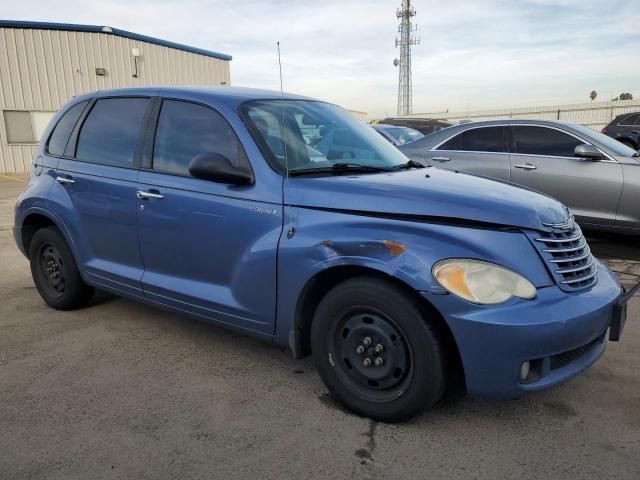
(121, 390)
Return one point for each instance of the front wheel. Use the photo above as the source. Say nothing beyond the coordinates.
(376, 351)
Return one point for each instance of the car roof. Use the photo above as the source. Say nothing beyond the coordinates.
(626, 114)
(511, 121)
(444, 134)
(230, 95)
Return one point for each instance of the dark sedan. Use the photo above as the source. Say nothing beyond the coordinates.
(626, 129)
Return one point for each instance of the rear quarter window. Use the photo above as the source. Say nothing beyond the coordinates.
(60, 135)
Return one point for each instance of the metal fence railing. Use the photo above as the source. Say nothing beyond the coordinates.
(593, 114)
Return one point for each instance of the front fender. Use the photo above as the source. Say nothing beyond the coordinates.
(402, 249)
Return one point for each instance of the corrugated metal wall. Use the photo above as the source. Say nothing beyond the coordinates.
(593, 114)
(40, 70)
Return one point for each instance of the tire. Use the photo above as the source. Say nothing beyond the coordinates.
(411, 376)
(55, 272)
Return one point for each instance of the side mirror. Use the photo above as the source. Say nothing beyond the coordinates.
(588, 152)
(217, 168)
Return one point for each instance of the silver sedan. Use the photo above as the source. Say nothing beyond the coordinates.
(597, 177)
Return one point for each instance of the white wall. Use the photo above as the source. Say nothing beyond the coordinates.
(40, 70)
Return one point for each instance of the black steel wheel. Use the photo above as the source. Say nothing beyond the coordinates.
(51, 271)
(55, 272)
(376, 351)
(371, 353)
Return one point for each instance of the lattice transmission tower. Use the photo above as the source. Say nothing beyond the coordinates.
(407, 39)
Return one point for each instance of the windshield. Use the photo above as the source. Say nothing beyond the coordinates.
(404, 135)
(612, 144)
(318, 135)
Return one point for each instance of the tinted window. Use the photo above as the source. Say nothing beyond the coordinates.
(454, 143)
(186, 130)
(487, 139)
(630, 120)
(110, 132)
(60, 136)
(544, 141)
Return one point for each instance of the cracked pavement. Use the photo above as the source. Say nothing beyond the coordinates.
(121, 390)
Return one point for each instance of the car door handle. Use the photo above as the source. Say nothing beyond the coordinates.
(441, 159)
(526, 166)
(64, 180)
(145, 195)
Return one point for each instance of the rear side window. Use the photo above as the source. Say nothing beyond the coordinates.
(110, 133)
(60, 136)
(486, 139)
(544, 141)
(454, 143)
(186, 130)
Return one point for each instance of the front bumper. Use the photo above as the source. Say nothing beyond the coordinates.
(561, 333)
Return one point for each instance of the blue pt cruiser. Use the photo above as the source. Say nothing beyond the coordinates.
(286, 218)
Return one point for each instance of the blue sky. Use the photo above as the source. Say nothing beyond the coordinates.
(474, 54)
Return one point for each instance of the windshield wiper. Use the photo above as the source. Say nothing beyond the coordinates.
(409, 164)
(337, 168)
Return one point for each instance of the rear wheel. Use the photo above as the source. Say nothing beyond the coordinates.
(55, 272)
(376, 351)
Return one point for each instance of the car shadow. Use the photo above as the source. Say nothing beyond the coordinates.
(614, 246)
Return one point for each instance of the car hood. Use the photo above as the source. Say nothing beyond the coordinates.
(428, 194)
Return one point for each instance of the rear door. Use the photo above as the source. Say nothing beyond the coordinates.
(95, 192)
(542, 158)
(208, 248)
(479, 150)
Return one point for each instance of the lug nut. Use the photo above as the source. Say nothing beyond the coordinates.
(379, 361)
(360, 350)
(366, 362)
(367, 341)
(379, 348)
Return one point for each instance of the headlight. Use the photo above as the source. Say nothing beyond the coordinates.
(481, 282)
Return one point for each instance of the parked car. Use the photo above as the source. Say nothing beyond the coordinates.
(597, 177)
(626, 129)
(423, 125)
(397, 135)
(396, 277)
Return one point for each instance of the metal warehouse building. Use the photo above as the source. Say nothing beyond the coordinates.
(43, 65)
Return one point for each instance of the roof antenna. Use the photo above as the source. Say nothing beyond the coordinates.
(290, 230)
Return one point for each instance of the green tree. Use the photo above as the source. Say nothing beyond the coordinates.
(593, 95)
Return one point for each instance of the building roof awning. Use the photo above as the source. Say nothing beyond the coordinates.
(110, 31)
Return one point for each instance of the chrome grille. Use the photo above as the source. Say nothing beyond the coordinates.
(568, 257)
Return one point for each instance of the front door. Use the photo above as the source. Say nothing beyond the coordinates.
(208, 248)
(542, 159)
(96, 192)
